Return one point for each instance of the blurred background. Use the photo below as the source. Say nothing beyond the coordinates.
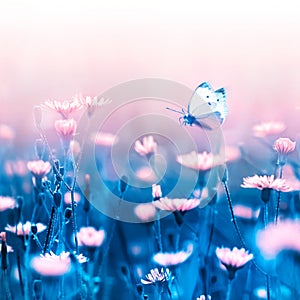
(54, 50)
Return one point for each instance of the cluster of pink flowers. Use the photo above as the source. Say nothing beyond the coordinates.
(25, 229)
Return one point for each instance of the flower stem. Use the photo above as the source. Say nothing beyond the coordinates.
(266, 214)
(6, 285)
(279, 196)
(211, 224)
(229, 290)
(233, 218)
(268, 286)
(159, 238)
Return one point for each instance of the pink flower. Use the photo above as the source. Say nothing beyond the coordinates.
(65, 108)
(245, 212)
(206, 160)
(39, 168)
(6, 133)
(67, 197)
(156, 191)
(272, 240)
(146, 174)
(268, 128)
(146, 147)
(7, 203)
(105, 139)
(90, 237)
(155, 276)
(3, 239)
(202, 297)
(51, 264)
(17, 167)
(66, 128)
(265, 182)
(75, 148)
(284, 146)
(198, 161)
(25, 229)
(145, 211)
(232, 153)
(182, 204)
(233, 259)
(91, 103)
(171, 259)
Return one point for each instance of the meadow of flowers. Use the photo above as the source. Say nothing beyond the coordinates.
(239, 239)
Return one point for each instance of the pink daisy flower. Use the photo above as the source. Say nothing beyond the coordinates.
(90, 237)
(172, 258)
(7, 203)
(51, 264)
(274, 239)
(65, 108)
(68, 200)
(39, 168)
(245, 212)
(202, 297)
(266, 182)
(17, 167)
(146, 147)
(66, 128)
(105, 139)
(155, 276)
(145, 211)
(182, 204)
(233, 260)
(284, 146)
(7, 133)
(268, 128)
(197, 161)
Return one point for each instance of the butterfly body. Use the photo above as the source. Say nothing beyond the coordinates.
(207, 108)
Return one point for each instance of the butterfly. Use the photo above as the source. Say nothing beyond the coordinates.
(207, 108)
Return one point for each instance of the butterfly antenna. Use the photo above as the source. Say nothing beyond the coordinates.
(171, 109)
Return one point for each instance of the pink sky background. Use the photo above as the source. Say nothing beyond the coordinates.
(55, 49)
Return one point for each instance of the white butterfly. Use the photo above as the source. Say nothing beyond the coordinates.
(207, 108)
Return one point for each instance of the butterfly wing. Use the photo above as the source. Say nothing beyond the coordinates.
(208, 106)
(203, 101)
(221, 103)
